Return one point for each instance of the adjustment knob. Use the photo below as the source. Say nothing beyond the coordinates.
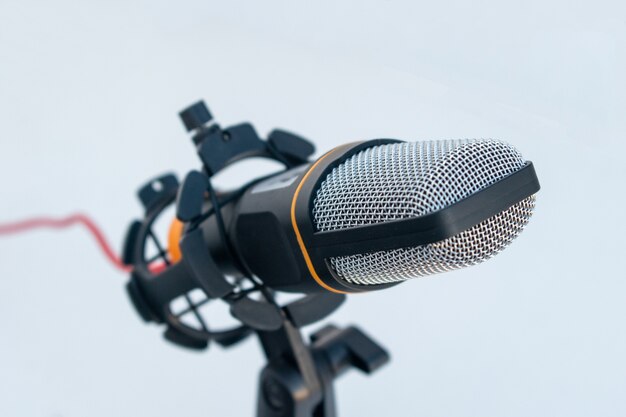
(196, 116)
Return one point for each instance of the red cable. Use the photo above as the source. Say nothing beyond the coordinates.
(61, 223)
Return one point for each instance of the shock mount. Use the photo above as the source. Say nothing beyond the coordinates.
(297, 380)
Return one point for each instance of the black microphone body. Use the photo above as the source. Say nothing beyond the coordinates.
(261, 236)
(272, 234)
(364, 216)
(265, 227)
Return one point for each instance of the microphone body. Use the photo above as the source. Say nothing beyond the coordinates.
(260, 234)
(369, 215)
(363, 217)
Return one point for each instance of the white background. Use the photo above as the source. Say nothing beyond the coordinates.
(89, 95)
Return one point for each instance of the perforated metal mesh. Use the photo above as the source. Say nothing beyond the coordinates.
(402, 180)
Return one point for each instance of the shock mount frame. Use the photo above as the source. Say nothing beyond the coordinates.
(297, 380)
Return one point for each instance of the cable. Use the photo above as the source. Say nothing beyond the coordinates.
(65, 222)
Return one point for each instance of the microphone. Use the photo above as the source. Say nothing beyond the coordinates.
(363, 217)
(369, 215)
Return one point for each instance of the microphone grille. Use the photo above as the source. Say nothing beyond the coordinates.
(401, 180)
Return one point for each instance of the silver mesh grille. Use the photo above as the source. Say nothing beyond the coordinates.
(401, 180)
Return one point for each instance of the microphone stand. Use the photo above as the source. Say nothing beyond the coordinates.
(297, 380)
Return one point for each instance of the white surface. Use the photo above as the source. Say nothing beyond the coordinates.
(88, 99)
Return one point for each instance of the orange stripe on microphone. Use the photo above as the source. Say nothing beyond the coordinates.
(303, 249)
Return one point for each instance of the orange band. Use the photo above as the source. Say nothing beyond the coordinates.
(307, 258)
(173, 239)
